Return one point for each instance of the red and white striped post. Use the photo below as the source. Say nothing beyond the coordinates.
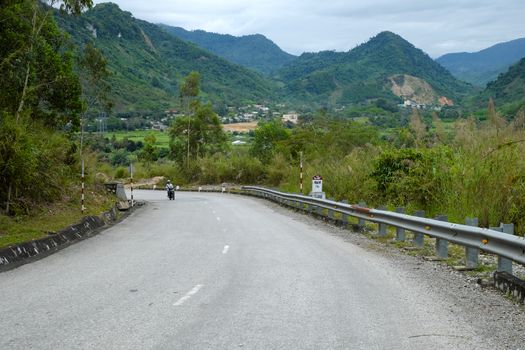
(131, 175)
(82, 197)
(301, 174)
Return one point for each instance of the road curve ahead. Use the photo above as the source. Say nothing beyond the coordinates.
(218, 271)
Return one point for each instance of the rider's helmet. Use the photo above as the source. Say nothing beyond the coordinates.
(169, 181)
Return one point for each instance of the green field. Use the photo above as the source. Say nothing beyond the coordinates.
(163, 138)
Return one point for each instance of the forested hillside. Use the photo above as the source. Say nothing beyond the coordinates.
(365, 73)
(251, 51)
(479, 68)
(41, 104)
(147, 64)
(509, 89)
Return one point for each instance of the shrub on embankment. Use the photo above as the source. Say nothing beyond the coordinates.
(475, 169)
(478, 170)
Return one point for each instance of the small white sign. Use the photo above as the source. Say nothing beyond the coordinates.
(317, 183)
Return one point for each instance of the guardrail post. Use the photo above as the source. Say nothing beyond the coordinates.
(382, 228)
(344, 217)
(419, 238)
(504, 264)
(330, 211)
(442, 244)
(400, 232)
(471, 254)
(320, 211)
(361, 223)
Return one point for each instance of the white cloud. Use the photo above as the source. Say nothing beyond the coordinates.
(298, 26)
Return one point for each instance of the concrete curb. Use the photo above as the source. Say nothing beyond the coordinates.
(23, 253)
(510, 285)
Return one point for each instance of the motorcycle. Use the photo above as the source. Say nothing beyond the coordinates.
(171, 194)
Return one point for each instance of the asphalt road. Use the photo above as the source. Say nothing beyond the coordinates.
(218, 271)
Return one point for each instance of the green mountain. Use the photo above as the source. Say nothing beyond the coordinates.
(251, 51)
(387, 67)
(478, 68)
(508, 88)
(148, 64)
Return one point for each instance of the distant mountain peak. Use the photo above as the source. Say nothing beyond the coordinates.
(386, 39)
(362, 74)
(253, 51)
(388, 34)
(111, 6)
(480, 67)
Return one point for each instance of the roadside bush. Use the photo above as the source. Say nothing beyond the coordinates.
(237, 167)
(121, 173)
(36, 164)
(412, 176)
(169, 169)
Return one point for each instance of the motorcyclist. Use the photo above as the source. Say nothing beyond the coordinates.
(169, 186)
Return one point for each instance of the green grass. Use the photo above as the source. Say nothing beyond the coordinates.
(163, 138)
(51, 218)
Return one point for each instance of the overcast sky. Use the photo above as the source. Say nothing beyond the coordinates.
(436, 26)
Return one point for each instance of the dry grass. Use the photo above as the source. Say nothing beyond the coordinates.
(240, 127)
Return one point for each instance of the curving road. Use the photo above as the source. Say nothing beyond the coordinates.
(217, 271)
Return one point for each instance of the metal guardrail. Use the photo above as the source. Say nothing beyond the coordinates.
(499, 241)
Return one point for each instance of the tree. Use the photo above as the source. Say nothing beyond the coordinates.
(189, 91)
(149, 152)
(267, 136)
(35, 68)
(417, 125)
(440, 134)
(494, 118)
(206, 138)
(95, 87)
(39, 93)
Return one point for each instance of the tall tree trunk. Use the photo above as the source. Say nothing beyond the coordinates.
(28, 68)
(34, 33)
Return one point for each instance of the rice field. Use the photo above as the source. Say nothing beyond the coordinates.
(163, 138)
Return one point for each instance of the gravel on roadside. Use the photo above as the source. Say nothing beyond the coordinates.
(485, 308)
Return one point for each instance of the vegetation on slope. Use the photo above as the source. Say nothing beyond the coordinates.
(251, 51)
(148, 64)
(40, 108)
(479, 68)
(508, 91)
(363, 73)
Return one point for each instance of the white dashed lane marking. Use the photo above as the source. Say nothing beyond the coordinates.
(188, 295)
(225, 250)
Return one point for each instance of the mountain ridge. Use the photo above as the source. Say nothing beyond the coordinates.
(253, 51)
(364, 72)
(149, 64)
(509, 88)
(481, 67)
